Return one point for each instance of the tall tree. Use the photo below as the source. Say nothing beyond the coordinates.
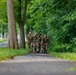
(12, 36)
(22, 20)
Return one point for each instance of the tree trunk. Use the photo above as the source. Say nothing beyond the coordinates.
(12, 36)
(22, 35)
(2, 35)
(2, 31)
(21, 25)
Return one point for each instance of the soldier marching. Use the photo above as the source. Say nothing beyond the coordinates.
(37, 43)
(30, 40)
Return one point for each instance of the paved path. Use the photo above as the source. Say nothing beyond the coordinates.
(37, 64)
(3, 44)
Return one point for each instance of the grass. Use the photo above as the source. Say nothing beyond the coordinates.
(2, 41)
(68, 56)
(72, 69)
(6, 53)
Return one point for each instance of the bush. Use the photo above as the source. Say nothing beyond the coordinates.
(63, 48)
(59, 48)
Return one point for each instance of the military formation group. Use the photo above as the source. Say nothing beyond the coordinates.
(37, 43)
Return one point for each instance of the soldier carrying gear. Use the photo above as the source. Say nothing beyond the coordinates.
(45, 43)
(39, 42)
(30, 40)
(42, 46)
(35, 43)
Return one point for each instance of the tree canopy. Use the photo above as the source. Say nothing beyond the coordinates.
(57, 19)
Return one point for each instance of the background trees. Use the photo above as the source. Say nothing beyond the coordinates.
(3, 29)
(56, 18)
(3, 20)
(20, 7)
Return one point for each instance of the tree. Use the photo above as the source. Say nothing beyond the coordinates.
(22, 8)
(57, 19)
(21, 25)
(12, 36)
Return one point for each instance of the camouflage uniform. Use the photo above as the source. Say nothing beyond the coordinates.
(42, 45)
(45, 43)
(39, 42)
(30, 40)
(35, 44)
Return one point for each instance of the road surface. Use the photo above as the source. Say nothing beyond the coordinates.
(3, 44)
(37, 64)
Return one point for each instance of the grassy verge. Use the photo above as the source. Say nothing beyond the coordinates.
(2, 41)
(68, 56)
(6, 53)
(72, 69)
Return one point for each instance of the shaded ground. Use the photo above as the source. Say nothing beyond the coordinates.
(37, 64)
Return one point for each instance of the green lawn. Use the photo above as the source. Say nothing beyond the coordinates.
(68, 56)
(6, 53)
(72, 69)
(2, 41)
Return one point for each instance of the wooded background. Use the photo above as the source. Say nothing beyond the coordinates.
(56, 18)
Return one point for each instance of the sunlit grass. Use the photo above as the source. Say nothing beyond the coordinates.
(2, 41)
(72, 69)
(68, 56)
(6, 53)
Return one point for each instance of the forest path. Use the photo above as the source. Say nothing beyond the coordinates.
(37, 64)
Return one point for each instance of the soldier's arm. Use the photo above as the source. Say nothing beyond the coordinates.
(27, 37)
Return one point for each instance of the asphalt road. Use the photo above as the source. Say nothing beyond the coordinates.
(3, 44)
(37, 64)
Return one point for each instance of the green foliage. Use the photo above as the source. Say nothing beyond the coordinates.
(3, 16)
(57, 19)
(3, 26)
(3, 9)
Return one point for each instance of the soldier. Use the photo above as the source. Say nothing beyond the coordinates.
(35, 43)
(30, 40)
(42, 46)
(39, 42)
(45, 43)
